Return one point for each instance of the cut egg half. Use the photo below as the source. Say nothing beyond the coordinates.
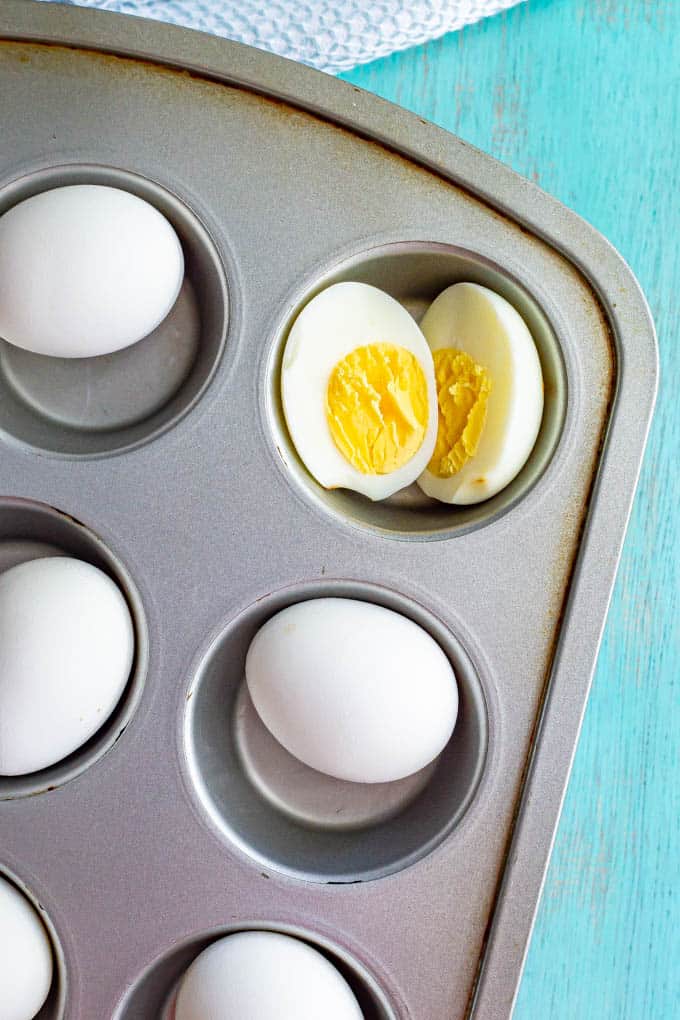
(489, 394)
(358, 391)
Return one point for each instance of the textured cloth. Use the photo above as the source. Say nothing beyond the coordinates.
(332, 35)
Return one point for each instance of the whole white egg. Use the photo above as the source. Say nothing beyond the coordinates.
(66, 650)
(25, 956)
(85, 270)
(261, 975)
(376, 413)
(352, 689)
(474, 320)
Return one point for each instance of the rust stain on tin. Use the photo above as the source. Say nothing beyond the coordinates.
(298, 117)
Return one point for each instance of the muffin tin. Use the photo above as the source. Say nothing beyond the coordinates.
(177, 821)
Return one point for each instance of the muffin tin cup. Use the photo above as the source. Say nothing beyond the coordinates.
(31, 531)
(155, 991)
(280, 181)
(89, 407)
(414, 273)
(227, 778)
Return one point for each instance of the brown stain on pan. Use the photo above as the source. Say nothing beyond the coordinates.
(298, 117)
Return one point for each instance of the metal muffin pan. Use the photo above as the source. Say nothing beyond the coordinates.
(279, 179)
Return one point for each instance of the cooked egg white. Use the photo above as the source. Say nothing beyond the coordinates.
(489, 393)
(358, 391)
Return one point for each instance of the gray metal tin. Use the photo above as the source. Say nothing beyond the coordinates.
(279, 178)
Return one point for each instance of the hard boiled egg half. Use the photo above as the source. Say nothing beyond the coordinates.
(489, 392)
(358, 391)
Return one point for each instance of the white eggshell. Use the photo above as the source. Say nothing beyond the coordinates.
(25, 956)
(264, 976)
(334, 323)
(66, 649)
(352, 689)
(484, 325)
(85, 270)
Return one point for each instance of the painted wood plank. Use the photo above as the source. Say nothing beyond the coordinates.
(584, 97)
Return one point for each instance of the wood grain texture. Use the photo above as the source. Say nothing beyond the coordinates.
(583, 96)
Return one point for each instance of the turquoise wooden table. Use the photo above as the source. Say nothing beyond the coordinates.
(583, 97)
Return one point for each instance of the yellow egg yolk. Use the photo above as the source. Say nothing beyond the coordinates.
(463, 389)
(377, 407)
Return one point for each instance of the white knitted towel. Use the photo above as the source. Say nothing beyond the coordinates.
(332, 35)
